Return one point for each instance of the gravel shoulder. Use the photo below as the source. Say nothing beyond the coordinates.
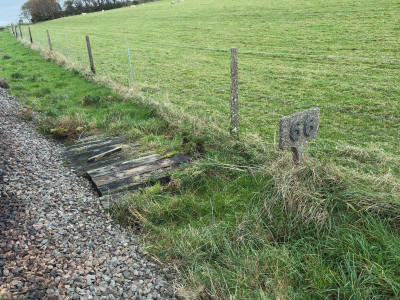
(55, 242)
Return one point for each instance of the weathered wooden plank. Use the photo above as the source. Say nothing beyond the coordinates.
(84, 166)
(90, 138)
(86, 144)
(86, 148)
(109, 169)
(132, 183)
(163, 163)
(104, 154)
(75, 159)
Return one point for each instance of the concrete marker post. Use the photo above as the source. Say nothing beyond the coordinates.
(30, 35)
(90, 55)
(297, 129)
(234, 126)
(48, 38)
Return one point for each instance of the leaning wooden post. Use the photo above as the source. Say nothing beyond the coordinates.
(89, 49)
(234, 128)
(20, 31)
(48, 37)
(30, 34)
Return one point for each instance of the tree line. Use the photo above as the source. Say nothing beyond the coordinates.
(43, 10)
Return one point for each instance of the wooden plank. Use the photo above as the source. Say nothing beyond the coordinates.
(84, 166)
(109, 169)
(119, 175)
(90, 138)
(90, 143)
(91, 147)
(101, 155)
(132, 183)
(77, 158)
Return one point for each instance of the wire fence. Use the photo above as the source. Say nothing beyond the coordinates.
(360, 117)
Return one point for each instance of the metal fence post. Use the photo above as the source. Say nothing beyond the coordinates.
(20, 31)
(37, 30)
(48, 37)
(30, 35)
(69, 53)
(130, 65)
(234, 128)
(90, 55)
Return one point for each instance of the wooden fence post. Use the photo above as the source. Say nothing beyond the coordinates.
(234, 128)
(89, 49)
(30, 34)
(48, 37)
(20, 31)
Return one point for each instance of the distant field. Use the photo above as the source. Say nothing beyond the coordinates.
(271, 84)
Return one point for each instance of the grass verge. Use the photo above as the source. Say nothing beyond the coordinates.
(242, 223)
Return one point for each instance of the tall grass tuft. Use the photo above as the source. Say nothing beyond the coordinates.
(281, 232)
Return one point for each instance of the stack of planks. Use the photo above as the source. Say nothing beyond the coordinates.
(109, 164)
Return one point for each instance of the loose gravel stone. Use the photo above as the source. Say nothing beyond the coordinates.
(55, 241)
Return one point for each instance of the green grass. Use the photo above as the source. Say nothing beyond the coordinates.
(183, 75)
(275, 232)
(236, 236)
(66, 98)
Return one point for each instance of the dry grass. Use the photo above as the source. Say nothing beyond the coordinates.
(303, 190)
(26, 114)
(68, 125)
(4, 84)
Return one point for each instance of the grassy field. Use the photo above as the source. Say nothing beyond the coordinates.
(243, 223)
(181, 54)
